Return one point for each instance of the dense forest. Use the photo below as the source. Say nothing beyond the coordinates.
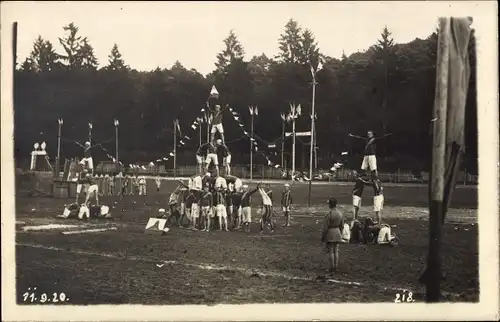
(388, 88)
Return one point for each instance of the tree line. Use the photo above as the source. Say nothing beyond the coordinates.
(387, 88)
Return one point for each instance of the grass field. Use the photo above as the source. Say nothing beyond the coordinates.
(127, 266)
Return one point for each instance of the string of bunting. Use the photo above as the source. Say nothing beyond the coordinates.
(237, 118)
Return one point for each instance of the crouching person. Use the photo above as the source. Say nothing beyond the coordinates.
(100, 212)
(380, 234)
(332, 234)
(70, 211)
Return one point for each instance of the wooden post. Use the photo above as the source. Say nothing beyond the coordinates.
(433, 273)
(175, 148)
(14, 47)
(251, 148)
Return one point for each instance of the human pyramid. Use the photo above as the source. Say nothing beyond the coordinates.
(207, 200)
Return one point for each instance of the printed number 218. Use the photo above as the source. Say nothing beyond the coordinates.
(403, 297)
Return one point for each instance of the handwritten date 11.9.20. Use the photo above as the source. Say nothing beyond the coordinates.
(32, 296)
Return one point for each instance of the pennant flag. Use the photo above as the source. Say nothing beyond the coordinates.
(143, 168)
(256, 110)
(246, 133)
(241, 125)
(269, 162)
(213, 91)
(182, 142)
(277, 166)
(344, 153)
(193, 127)
(203, 110)
(320, 66)
(114, 160)
(252, 139)
(159, 160)
(166, 159)
(299, 110)
(90, 125)
(237, 118)
(178, 125)
(171, 154)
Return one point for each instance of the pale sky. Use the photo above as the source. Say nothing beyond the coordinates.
(156, 34)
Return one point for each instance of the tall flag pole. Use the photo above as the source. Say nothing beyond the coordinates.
(448, 125)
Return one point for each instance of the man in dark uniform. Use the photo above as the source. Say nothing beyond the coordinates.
(332, 234)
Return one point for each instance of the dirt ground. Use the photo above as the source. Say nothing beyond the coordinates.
(129, 266)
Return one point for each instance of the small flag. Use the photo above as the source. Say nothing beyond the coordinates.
(143, 168)
(178, 125)
(256, 110)
(90, 125)
(151, 164)
(320, 66)
(276, 166)
(213, 91)
(236, 118)
(159, 160)
(166, 159)
(344, 153)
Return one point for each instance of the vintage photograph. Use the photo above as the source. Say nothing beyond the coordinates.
(178, 153)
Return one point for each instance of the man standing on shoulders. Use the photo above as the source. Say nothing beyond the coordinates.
(369, 159)
(357, 192)
(224, 155)
(378, 198)
(332, 234)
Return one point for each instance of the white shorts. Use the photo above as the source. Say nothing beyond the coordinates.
(285, 208)
(356, 201)
(227, 160)
(237, 185)
(83, 212)
(384, 235)
(220, 183)
(378, 203)
(93, 189)
(221, 211)
(195, 211)
(207, 211)
(212, 158)
(369, 162)
(88, 162)
(246, 213)
(81, 186)
(217, 128)
(199, 159)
